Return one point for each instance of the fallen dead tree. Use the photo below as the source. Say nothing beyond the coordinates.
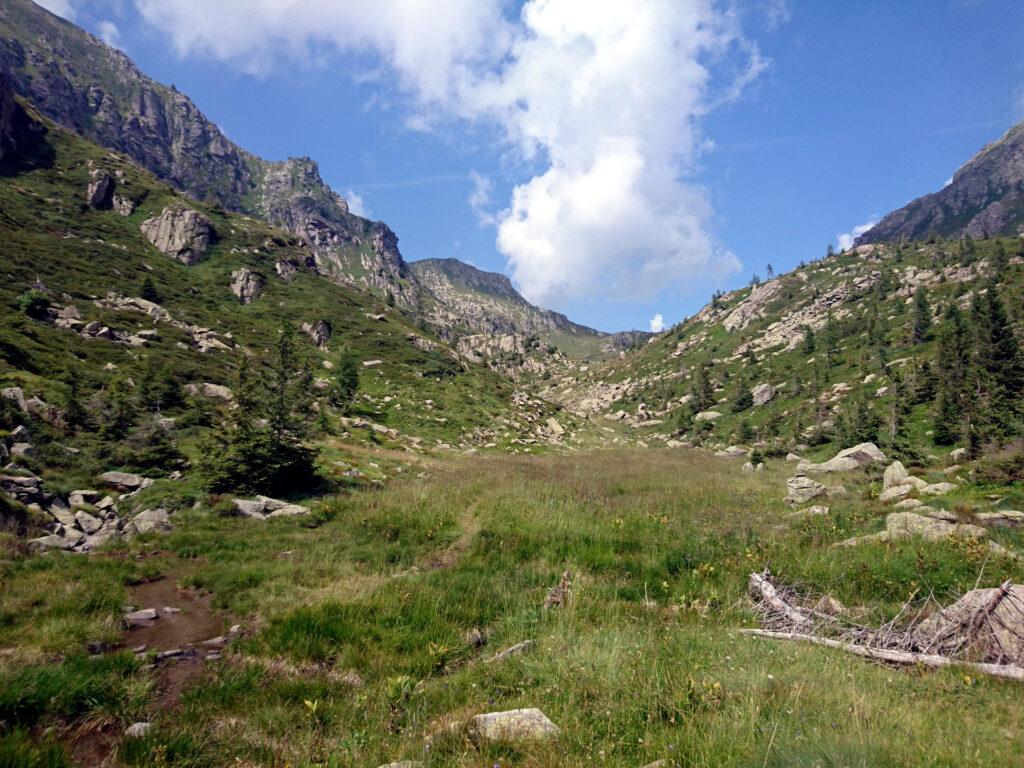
(982, 631)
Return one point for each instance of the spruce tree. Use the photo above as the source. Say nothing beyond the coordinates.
(347, 379)
(744, 399)
(148, 291)
(810, 342)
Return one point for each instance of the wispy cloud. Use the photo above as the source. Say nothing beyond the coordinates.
(657, 323)
(63, 8)
(109, 33)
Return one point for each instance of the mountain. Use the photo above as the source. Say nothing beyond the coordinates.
(985, 198)
(85, 85)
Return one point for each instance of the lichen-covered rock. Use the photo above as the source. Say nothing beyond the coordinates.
(895, 474)
(247, 285)
(125, 481)
(762, 394)
(181, 233)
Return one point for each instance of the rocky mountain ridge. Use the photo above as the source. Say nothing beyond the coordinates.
(985, 198)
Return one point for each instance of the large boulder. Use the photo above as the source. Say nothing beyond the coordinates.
(763, 393)
(895, 474)
(181, 233)
(513, 726)
(707, 416)
(1006, 518)
(801, 489)
(999, 633)
(247, 285)
(100, 190)
(846, 460)
(895, 492)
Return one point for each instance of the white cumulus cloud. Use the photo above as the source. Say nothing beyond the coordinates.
(657, 323)
(845, 240)
(603, 97)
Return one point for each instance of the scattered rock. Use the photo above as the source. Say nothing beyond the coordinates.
(475, 638)
(52, 541)
(910, 504)
(748, 468)
(555, 427)
(958, 454)
(895, 474)
(247, 285)
(816, 511)
(516, 726)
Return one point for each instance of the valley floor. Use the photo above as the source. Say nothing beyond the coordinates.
(366, 631)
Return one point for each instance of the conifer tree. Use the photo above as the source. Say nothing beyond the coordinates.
(347, 377)
(703, 393)
(922, 316)
(744, 400)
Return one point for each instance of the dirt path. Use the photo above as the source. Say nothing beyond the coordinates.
(469, 524)
(178, 638)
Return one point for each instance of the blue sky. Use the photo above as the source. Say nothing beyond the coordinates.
(688, 170)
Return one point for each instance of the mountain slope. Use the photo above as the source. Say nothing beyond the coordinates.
(984, 199)
(77, 265)
(82, 84)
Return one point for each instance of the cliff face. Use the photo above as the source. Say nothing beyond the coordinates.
(984, 199)
(82, 84)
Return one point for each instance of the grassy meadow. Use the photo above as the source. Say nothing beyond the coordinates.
(354, 649)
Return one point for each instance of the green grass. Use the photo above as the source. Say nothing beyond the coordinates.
(364, 617)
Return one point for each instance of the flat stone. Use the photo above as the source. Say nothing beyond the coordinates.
(143, 615)
(52, 541)
(801, 489)
(125, 481)
(148, 521)
(87, 522)
(938, 489)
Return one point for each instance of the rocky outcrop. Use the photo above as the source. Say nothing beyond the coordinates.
(751, 307)
(985, 198)
(263, 507)
(319, 331)
(247, 285)
(181, 233)
(21, 137)
(762, 394)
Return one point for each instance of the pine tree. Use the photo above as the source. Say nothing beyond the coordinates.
(74, 413)
(703, 393)
(261, 450)
(922, 316)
